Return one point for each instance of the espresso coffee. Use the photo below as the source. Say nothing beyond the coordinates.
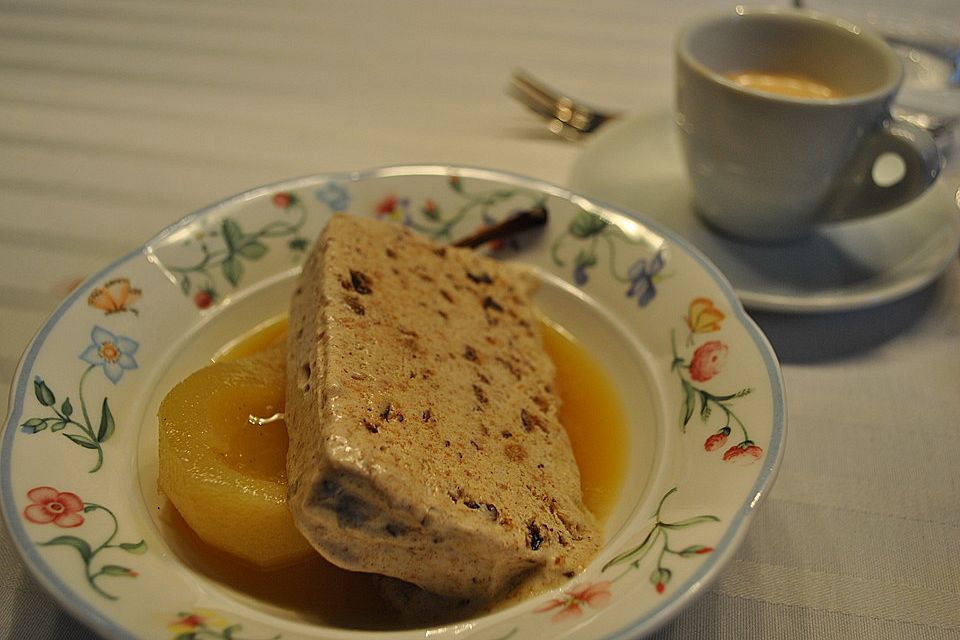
(783, 84)
(781, 116)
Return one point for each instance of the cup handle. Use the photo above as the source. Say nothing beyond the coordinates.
(858, 194)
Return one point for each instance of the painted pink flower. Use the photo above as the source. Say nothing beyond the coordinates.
(63, 509)
(717, 440)
(283, 200)
(387, 206)
(708, 360)
(204, 298)
(572, 603)
(191, 621)
(660, 577)
(744, 453)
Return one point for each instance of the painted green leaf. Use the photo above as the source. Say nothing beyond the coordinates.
(637, 553)
(689, 522)
(676, 364)
(661, 575)
(232, 270)
(253, 250)
(43, 393)
(586, 259)
(66, 408)
(689, 402)
(694, 549)
(116, 570)
(232, 234)
(34, 425)
(229, 631)
(57, 425)
(704, 405)
(107, 423)
(136, 548)
(71, 541)
(586, 224)
(83, 441)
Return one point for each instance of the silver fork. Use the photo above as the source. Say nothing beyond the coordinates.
(566, 118)
(573, 120)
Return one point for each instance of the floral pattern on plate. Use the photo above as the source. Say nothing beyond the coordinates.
(67, 510)
(441, 222)
(203, 624)
(115, 296)
(599, 266)
(114, 355)
(706, 362)
(594, 236)
(572, 603)
(226, 250)
(658, 538)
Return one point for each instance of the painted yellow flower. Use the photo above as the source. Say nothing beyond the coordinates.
(191, 621)
(703, 316)
(390, 207)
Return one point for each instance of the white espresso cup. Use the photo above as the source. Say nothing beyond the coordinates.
(782, 115)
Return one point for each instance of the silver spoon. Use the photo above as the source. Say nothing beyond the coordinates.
(573, 120)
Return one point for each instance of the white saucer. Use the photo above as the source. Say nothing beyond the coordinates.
(636, 164)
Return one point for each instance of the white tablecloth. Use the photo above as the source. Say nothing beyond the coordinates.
(117, 117)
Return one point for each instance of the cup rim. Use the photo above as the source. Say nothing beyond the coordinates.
(869, 35)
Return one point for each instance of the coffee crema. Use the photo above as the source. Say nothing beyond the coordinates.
(793, 86)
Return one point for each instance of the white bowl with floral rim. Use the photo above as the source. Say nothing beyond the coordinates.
(701, 388)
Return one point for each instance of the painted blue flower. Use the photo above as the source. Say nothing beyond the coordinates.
(334, 195)
(113, 353)
(641, 277)
(580, 274)
(585, 260)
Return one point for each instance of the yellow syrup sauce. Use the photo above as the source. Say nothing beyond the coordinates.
(319, 592)
(592, 414)
(260, 338)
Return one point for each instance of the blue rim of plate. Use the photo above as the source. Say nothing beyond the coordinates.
(659, 615)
